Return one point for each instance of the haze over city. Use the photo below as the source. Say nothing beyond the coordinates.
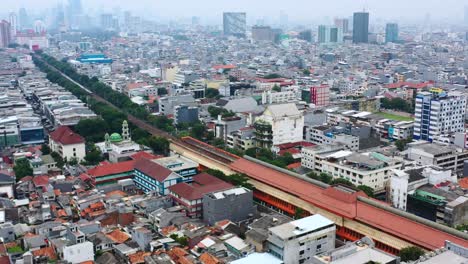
(297, 10)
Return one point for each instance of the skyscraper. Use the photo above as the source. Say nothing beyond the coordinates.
(262, 33)
(361, 27)
(234, 24)
(306, 35)
(327, 34)
(342, 23)
(107, 21)
(13, 23)
(437, 113)
(23, 19)
(74, 12)
(391, 33)
(5, 34)
(466, 15)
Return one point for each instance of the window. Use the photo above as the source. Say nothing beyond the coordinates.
(319, 247)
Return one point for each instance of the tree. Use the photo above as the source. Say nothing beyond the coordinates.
(233, 79)
(159, 145)
(73, 161)
(298, 213)
(276, 88)
(272, 76)
(58, 159)
(306, 72)
(326, 178)
(342, 181)
(211, 93)
(401, 143)
(45, 149)
(366, 189)
(22, 169)
(92, 129)
(93, 156)
(198, 130)
(410, 253)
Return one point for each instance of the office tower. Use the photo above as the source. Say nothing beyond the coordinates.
(75, 7)
(306, 35)
(391, 33)
(323, 34)
(23, 19)
(107, 21)
(320, 95)
(300, 240)
(13, 23)
(284, 20)
(234, 24)
(361, 27)
(438, 113)
(262, 33)
(342, 23)
(73, 13)
(5, 34)
(195, 21)
(327, 34)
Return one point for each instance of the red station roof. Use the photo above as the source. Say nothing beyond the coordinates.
(347, 205)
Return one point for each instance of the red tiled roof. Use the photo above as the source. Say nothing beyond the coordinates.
(138, 257)
(65, 136)
(47, 251)
(294, 145)
(348, 206)
(463, 183)
(40, 181)
(408, 84)
(225, 67)
(202, 184)
(118, 236)
(146, 155)
(5, 260)
(207, 258)
(131, 86)
(112, 168)
(153, 169)
(116, 218)
(294, 165)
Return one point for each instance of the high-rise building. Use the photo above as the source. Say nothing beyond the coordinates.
(361, 27)
(23, 19)
(13, 23)
(438, 113)
(262, 33)
(391, 33)
(5, 34)
(320, 95)
(306, 35)
(342, 23)
(107, 21)
(327, 34)
(74, 13)
(234, 23)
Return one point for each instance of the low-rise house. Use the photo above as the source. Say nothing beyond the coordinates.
(67, 144)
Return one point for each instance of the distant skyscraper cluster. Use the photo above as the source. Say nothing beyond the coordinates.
(330, 34)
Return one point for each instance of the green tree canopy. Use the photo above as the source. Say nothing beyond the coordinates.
(367, 190)
(410, 253)
(92, 129)
(22, 169)
(211, 93)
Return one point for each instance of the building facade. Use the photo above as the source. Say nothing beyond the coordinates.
(361, 27)
(235, 204)
(391, 33)
(299, 241)
(320, 95)
(438, 114)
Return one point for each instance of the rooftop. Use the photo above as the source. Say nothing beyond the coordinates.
(301, 226)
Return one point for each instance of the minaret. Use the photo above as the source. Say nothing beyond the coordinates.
(107, 141)
(125, 133)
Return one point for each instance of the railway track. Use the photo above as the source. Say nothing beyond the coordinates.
(187, 142)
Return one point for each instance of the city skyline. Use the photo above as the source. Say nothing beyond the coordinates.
(295, 10)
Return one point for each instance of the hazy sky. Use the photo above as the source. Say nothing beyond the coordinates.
(297, 10)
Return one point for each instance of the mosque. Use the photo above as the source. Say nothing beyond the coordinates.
(119, 147)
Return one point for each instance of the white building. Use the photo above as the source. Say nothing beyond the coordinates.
(438, 114)
(79, 253)
(299, 241)
(269, 97)
(404, 182)
(286, 121)
(447, 157)
(370, 169)
(67, 143)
